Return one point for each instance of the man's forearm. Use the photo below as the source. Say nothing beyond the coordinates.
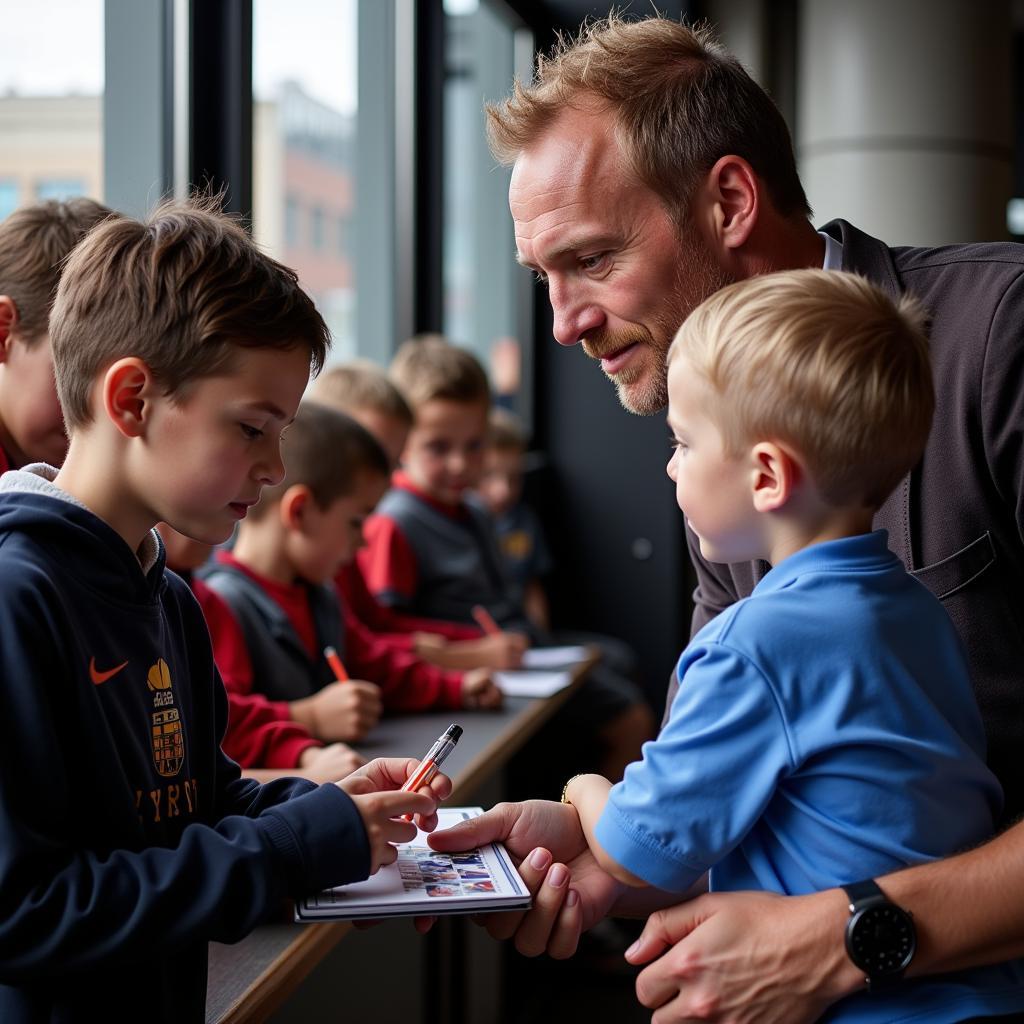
(968, 909)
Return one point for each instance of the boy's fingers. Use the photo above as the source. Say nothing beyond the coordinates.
(399, 831)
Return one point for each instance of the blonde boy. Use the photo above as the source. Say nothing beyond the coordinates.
(130, 840)
(34, 241)
(825, 729)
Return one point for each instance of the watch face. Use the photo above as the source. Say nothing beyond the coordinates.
(881, 940)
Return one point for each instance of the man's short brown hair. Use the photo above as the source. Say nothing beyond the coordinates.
(34, 242)
(680, 101)
(823, 361)
(361, 385)
(428, 368)
(183, 291)
(326, 451)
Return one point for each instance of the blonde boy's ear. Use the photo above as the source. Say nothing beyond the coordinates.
(293, 508)
(127, 389)
(8, 321)
(775, 476)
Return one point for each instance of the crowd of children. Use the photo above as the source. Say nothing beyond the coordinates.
(375, 518)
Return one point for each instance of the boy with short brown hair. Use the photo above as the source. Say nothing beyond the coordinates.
(34, 241)
(130, 841)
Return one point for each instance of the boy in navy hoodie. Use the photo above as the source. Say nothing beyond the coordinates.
(130, 839)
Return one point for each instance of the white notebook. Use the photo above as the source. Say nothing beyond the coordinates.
(519, 683)
(554, 657)
(423, 881)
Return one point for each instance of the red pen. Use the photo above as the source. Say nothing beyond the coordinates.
(431, 763)
(337, 667)
(485, 620)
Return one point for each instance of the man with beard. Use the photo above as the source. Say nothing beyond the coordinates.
(649, 171)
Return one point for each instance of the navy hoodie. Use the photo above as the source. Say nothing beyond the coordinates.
(128, 839)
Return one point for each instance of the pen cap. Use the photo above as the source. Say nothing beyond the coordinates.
(452, 733)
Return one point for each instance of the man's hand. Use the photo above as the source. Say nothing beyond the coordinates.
(737, 958)
(343, 712)
(570, 893)
(479, 690)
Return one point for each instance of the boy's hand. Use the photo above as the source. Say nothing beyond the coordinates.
(381, 813)
(424, 644)
(330, 763)
(385, 775)
(340, 711)
(500, 650)
(479, 690)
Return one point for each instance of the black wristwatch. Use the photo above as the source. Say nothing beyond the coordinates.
(880, 936)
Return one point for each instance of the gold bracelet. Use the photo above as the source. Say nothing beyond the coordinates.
(565, 788)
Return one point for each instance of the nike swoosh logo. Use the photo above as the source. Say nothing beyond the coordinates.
(101, 677)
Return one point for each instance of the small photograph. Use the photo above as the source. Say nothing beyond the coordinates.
(472, 857)
(487, 886)
(448, 875)
(443, 890)
(434, 864)
(412, 886)
(473, 873)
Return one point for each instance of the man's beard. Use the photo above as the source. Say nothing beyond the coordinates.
(641, 387)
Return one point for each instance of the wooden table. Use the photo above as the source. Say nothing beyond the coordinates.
(249, 980)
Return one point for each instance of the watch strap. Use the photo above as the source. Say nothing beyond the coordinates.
(863, 893)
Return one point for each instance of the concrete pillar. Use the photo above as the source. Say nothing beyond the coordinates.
(904, 122)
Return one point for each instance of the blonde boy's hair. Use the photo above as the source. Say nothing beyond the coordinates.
(326, 451)
(361, 385)
(429, 368)
(822, 361)
(505, 431)
(34, 242)
(184, 291)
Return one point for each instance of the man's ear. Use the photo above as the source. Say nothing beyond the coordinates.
(732, 198)
(8, 322)
(293, 508)
(128, 388)
(775, 476)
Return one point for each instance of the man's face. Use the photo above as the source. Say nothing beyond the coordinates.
(33, 424)
(620, 278)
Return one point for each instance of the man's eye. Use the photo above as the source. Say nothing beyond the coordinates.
(592, 262)
(251, 433)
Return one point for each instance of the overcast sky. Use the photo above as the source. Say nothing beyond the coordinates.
(52, 47)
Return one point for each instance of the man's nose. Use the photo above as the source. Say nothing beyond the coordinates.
(573, 318)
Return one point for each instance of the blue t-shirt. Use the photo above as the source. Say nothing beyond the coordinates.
(825, 731)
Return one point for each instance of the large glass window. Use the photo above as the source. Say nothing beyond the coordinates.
(487, 297)
(304, 128)
(51, 101)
